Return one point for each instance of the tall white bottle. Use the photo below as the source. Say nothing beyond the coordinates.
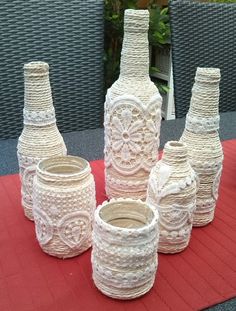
(132, 115)
(203, 142)
(40, 137)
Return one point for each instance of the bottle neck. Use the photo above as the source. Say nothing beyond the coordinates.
(38, 95)
(175, 153)
(135, 48)
(205, 93)
(135, 55)
(38, 104)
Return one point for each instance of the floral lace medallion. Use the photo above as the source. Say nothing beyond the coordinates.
(131, 133)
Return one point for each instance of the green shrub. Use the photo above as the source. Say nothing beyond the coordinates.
(159, 33)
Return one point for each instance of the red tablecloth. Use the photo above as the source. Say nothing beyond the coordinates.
(203, 275)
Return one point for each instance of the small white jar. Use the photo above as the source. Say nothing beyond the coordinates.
(124, 254)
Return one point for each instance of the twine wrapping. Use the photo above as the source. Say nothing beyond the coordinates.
(132, 115)
(40, 137)
(124, 254)
(203, 142)
(64, 204)
(172, 191)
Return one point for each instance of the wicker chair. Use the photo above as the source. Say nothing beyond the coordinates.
(69, 36)
(203, 34)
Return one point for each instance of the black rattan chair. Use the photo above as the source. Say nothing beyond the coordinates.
(204, 35)
(69, 36)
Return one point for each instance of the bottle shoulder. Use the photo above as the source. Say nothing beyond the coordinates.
(144, 90)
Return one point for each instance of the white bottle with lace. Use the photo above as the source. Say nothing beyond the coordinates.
(202, 139)
(172, 191)
(132, 115)
(40, 137)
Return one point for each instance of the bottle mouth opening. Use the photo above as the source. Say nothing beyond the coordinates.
(174, 150)
(208, 74)
(136, 20)
(137, 13)
(36, 68)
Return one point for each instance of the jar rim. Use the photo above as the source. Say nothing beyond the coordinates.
(113, 228)
(63, 167)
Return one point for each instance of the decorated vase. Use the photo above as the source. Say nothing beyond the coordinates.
(172, 190)
(40, 137)
(132, 115)
(202, 139)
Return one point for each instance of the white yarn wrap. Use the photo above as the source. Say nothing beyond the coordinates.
(124, 254)
(172, 191)
(132, 115)
(40, 137)
(63, 205)
(203, 143)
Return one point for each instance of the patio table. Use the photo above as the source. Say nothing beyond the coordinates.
(32, 280)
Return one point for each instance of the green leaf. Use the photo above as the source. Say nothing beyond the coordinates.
(153, 70)
(164, 11)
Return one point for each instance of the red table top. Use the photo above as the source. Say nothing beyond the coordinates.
(202, 275)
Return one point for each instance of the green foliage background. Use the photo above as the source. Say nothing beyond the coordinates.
(159, 33)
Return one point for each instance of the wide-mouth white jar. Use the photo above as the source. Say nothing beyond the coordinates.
(63, 205)
(124, 254)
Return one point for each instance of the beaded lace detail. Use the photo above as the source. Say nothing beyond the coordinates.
(35, 118)
(202, 125)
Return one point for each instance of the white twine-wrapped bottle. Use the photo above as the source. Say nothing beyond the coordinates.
(124, 254)
(63, 205)
(172, 191)
(40, 137)
(203, 142)
(132, 115)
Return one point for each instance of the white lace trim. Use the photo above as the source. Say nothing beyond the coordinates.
(157, 183)
(132, 132)
(202, 125)
(126, 183)
(44, 226)
(45, 117)
(205, 167)
(75, 228)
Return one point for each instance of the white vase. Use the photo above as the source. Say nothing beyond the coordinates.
(40, 137)
(202, 139)
(63, 205)
(172, 191)
(132, 115)
(124, 253)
